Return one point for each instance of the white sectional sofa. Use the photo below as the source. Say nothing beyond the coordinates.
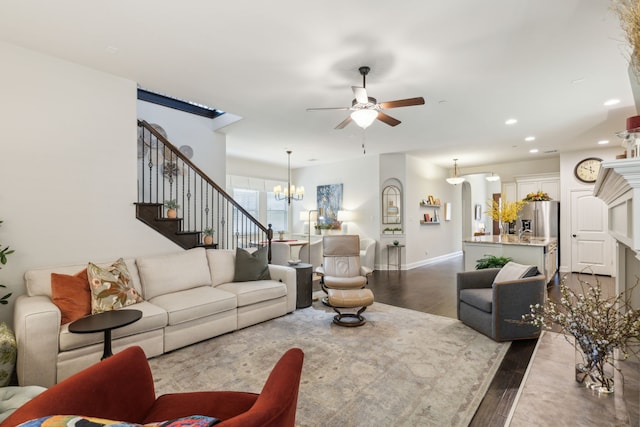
(189, 296)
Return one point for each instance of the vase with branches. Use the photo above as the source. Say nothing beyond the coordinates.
(598, 324)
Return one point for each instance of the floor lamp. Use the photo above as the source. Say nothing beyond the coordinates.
(309, 237)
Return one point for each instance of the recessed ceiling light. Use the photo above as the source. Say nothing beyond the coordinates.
(610, 102)
(579, 80)
(603, 142)
(511, 122)
(530, 138)
(112, 49)
(533, 150)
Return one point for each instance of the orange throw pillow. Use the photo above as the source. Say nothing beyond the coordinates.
(72, 295)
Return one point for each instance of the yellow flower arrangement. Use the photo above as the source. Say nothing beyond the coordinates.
(508, 212)
(537, 196)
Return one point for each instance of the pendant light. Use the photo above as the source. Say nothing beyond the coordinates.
(492, 178)
(290, 192)
(455, 180)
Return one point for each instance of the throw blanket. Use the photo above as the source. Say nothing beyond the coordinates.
(80, 421)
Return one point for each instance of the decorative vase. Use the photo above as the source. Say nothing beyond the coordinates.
(505, 227)
(595, 370)
(208, 240)
(172, 213)
(8, 354)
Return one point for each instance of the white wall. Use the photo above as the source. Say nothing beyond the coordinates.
(360, 193)
(69, 167)
(426, 241)
(209, 147)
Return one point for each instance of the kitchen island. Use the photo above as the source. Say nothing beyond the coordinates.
(538, 251)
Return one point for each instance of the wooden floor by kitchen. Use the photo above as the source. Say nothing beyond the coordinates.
(432, 289)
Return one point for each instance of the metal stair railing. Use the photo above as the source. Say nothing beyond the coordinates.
(166, 174)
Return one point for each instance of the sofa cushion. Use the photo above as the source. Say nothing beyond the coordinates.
(221, 265)
(195, 303)
(175, 272)
(153, 317)
(481, 299)
(38, 281)
(251, 266)
(111, 287)
(514, 271)
(71, 294)
(255, 291)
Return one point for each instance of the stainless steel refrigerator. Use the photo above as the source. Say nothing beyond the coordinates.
(543, 219)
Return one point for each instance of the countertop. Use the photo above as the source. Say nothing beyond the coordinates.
(512, 239)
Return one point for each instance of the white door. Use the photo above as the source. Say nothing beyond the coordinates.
(591, 247)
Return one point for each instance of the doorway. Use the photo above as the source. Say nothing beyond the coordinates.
(591, 244)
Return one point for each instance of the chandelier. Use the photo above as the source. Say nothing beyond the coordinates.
(290, 192)
(455, 180)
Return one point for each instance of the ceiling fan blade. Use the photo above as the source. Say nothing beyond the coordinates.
(344, 123)
(360, 94)
(388, 119)
(329, 108)
(402, 103)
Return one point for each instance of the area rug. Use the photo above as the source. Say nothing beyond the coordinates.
(402, 367)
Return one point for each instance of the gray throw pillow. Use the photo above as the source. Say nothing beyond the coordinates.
(251, 266)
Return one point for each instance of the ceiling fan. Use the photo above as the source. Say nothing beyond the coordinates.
(366, 109)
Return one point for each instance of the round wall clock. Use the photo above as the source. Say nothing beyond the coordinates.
(587, 170)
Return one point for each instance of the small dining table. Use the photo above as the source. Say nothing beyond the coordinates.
(293, 243)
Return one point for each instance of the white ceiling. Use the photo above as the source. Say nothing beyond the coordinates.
(549, 63)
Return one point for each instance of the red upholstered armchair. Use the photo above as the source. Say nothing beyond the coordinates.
(121, 388)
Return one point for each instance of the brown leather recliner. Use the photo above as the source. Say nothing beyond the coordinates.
(121, 388)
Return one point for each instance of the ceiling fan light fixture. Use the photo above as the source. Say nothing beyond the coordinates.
(455, 179)
(364, 117)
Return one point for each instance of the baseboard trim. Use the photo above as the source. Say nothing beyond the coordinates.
(422, 262)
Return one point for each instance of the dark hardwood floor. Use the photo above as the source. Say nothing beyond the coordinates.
(432, 289)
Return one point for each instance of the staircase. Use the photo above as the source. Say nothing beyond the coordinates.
(166, 174)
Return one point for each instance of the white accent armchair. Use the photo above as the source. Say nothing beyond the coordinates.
(368, 253)
(315, 248)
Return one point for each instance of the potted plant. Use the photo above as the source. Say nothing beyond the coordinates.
(281, 234)
(397, 230)
(8, 346)
(208, 236)
(172, 208)
(387, 230)
(492, 261)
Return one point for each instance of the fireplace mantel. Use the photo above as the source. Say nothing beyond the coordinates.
(618, 185)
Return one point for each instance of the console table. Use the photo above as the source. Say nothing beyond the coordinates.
(398, 249)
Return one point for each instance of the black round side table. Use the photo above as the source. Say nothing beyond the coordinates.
(304, 282)
(105, 322)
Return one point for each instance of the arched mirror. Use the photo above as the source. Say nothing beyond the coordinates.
(391, 205)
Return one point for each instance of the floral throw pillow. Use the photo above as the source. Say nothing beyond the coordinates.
(111, 287)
